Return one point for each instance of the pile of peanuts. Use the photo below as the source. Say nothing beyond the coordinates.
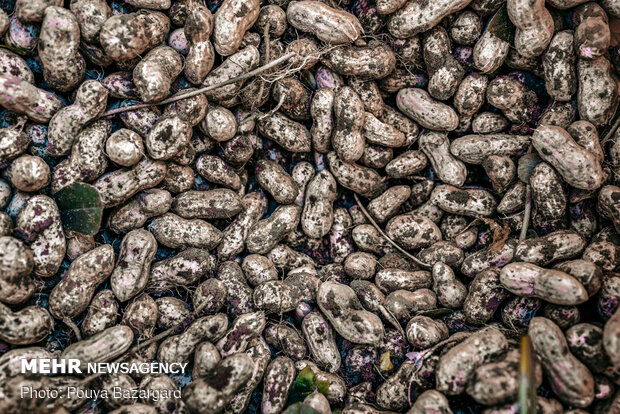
(389, 192)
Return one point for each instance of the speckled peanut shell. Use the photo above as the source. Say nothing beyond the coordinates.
(457, 365)
(562, 244)
(198, 28)
(13, 141)
(285, 339)
(25, 98)
(234, 236)
(206, 358)
(275, 296)
(406, 164)
(38, 225)
(16, 264)
(430, 401)
(294, 98)
(402, 123)
(171, 311)
(393, 393)
(125, 36)
(559, 67)
(436, 146)
(91, 15)
(318, 212)
(135, 213)
(445, 73)
(124, 147)
(132, 272)
(102, 347)
(379, 133)
(484, 297)
(277, 382)
(70, 298)
(390, 280)
(610, 339)
(340, 305)
(511, 96)
(498, 382)
(232, 20)
(260, 353)
(424, 332)
(87, 160)
(102, 313)
(14, 65)
(319, 337)
(362, 180)
(330, 25)
(241, 62)
(373, 61)
(141, 315)
(473, 149)
(450, 292)
(180, 347)
(275, 180)
(570, 380)
(266, 233)
(183, 269)
(577, 166)
(323, 124)
(211, 394)
(217, 203)
(442, 251)
(387, 204)
(63, 67)
(417, 17)
(120, 185)
(154, 74)
(175, 232)
(597, 93)
(585, 342)
(347, 138)
(192, 109)
(291, 135)
(592, 33)
(243, 329)
(239, 293)
(25, 326)
(412, 232)
(490, 52)
(471, 202)
(547, 193)
(418, 105)
(534, 26)
(168, 137)
(553, 286)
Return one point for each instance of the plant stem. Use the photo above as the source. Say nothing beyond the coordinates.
(203, 90)
(527, 212)
(392, 242)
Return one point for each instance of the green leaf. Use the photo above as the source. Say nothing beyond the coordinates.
(323, 387)
(305, 383)
(527, 163)
(305, 378)
(501, 26)
(80, 208)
